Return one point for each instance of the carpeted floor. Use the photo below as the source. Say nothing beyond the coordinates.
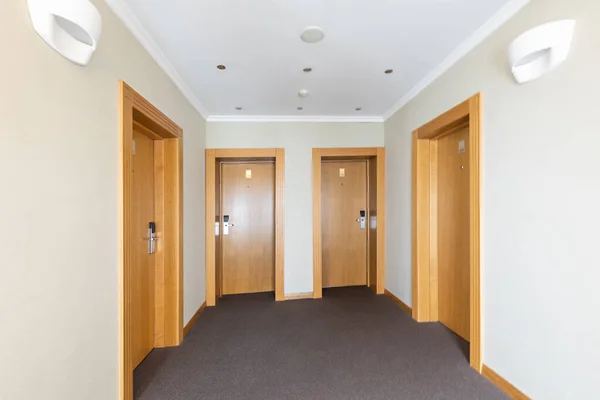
(351, 344)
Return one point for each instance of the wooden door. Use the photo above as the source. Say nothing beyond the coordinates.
(453, 232)
(142, 263)
(248, 198)
(343, 196)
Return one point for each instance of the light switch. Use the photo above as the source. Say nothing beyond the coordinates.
(248, 174)
(342, 172)
(461, 146)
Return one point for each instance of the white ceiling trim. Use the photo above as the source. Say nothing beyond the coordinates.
(288, 118)
(123, 11)
(497, 20)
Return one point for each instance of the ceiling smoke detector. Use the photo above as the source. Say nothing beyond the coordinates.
(303, 93)
(312, 34)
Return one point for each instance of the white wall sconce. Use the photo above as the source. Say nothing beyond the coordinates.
(71, 27)
(540, 50)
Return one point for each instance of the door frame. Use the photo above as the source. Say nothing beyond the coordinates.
(424, 217)
(134, 109)
(211, 158)
(365, 152)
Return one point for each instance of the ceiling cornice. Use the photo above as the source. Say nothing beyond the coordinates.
(289, 118)
(123, 11)
(497, 20)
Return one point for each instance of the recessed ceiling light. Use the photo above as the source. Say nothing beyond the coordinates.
(312, 34)
(221, 67)
(303, 93)
(307, 69)
(389, 71)
(358, 109)
(239, 108)
(300, 108)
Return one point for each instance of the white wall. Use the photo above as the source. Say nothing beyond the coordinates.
(541, 191)
(298, 139)
(59, 160)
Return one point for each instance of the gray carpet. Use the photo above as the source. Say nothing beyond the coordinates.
(351, 344)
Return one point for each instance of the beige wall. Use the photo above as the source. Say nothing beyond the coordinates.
(59, 158)
(298, 139)
(540, 192)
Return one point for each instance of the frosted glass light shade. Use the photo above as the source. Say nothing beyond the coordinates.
(540, 50)
(71, 27)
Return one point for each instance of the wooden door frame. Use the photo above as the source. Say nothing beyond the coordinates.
(317, 157)
(424, 217)
(211, 158)
(168, 173)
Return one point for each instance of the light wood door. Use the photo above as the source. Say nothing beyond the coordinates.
(248, 198)
(343, 196)
(142, 263)
(453, 232)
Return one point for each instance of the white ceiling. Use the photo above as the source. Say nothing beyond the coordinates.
(259, 43)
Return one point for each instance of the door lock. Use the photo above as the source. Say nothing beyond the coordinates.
(226, 225)
(362, 219)
(152, 238)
